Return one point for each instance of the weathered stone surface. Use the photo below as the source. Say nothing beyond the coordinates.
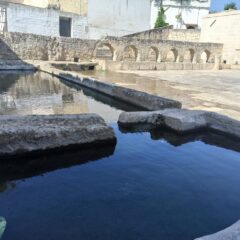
(27, 134)
(223, 124)
(182, 120)
(130, 118)
(176, 119)
(231, 233)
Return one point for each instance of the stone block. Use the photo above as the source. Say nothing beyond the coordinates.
(20, 135)
(182, 120)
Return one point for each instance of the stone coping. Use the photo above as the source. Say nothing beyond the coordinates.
(21, 135)
(15, 65)
(140, 99)
(230, 233)
(183, 121)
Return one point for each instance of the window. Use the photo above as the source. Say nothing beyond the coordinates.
(65, 26)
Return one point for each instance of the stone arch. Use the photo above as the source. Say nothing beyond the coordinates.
(153, 55)
(205, 56)
(172, 55)
(104, 51)
(189, 56)
(130, 53)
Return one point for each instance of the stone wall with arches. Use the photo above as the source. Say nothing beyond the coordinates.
(159, 51)
(115, 53)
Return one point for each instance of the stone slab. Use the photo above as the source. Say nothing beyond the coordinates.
(134, 97)
(20, 135)
(183, 120)
(231, 233)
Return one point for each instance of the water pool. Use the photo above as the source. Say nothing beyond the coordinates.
(40, 93)
(153, 185)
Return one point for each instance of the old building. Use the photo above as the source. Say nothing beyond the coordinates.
(182, 14)
(76, 18)
(224, 28)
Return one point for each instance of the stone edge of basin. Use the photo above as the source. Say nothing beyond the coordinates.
(141, 99)
(230, 233)
(23, 135)
(182, 121)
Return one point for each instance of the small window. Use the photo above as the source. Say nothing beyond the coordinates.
(65, 27)
(191, 26)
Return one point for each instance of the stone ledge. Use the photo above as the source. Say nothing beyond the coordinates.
(15, 65)
(20, 135)
(231, 233)
(182, 120)
(140, 99)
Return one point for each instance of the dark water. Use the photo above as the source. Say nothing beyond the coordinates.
(168, 188)
(153, 185)
(40, 93)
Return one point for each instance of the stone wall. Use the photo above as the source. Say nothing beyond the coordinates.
(167, 33)
(34, 47)
(125, 51)
(140, 50)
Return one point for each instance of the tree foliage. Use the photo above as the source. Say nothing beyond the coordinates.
(160, 22)
(229, 6)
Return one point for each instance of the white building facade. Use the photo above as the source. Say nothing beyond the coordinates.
(224, 27)
(103, 18)
(118, 17)
(100, 18)
(182, 14)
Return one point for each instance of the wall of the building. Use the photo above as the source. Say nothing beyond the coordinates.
(42, 21)
(71, 6)
(167, 33)
(118, 17)
(191, 11)
(224, 28)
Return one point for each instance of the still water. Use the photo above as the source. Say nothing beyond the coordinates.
(152, 185)
(40, 93)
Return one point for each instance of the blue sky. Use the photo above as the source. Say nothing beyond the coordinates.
(218, 5)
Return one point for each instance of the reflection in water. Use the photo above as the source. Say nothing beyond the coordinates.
(14, 169)
(3, 225)
(177, 139)
(40, 93)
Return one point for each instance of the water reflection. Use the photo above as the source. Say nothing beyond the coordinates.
(21, 168)
(209, 137)
(40, 93)
(3, 225)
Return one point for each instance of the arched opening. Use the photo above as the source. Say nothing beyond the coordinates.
(188, 56)
(172, 55)
(130, 54)
(105, 52)
(205, 56)
(153, 54)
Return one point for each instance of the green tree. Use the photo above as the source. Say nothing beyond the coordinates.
(229, 6)
(160, 22)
